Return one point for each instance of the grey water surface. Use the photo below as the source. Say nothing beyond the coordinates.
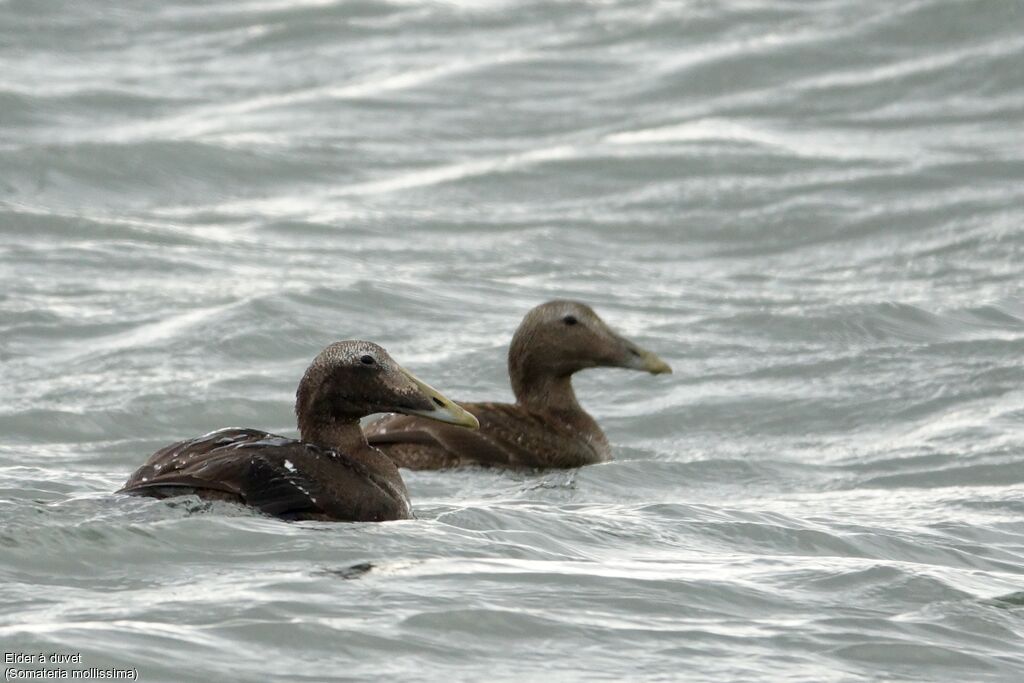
(813, 210)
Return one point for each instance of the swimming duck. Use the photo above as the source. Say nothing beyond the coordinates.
(330, 473)
(545, 427)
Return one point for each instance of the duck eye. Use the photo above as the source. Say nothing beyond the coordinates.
(367, 360)
(570, 320)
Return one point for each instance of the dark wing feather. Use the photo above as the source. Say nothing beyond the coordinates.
(247, 463)
(180, 456)
(279, 476)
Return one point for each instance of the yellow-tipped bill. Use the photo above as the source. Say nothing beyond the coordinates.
(653, 364)
(445, 409)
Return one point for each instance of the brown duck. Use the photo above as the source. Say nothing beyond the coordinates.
(330, 473)
(545, 427)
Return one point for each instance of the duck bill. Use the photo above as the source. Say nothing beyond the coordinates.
(650, 362)
(444, 409)
(637, 358)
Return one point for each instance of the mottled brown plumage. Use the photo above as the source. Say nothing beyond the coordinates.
(331, 473)
(545, 427)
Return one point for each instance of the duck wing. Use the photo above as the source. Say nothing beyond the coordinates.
(509, 436)
(278, 476)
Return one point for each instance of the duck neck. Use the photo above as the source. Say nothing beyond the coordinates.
(321, 421)
(342, 434)
(550, 392)
(535, 382)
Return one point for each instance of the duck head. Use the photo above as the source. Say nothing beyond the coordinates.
(352, 379)
(559, 338)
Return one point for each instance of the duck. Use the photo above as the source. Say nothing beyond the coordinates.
(330, 473)
(546, 427)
